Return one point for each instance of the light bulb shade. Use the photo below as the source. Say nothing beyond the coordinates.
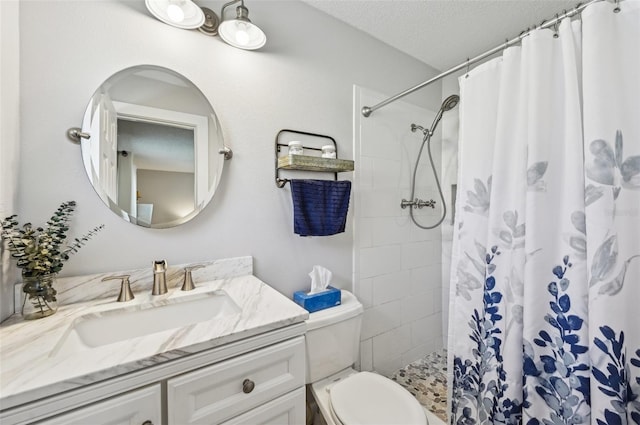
(242, 34)
(183, 14)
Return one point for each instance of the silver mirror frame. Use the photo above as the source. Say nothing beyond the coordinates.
(205, 182)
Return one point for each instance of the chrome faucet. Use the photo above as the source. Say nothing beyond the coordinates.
(159, 277)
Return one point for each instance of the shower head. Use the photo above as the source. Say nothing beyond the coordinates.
(450, 103)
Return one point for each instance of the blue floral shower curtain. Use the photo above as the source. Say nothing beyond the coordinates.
(545, 294)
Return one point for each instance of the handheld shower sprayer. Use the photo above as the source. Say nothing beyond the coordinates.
(448, 104)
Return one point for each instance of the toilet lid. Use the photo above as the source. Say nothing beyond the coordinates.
(367, 398)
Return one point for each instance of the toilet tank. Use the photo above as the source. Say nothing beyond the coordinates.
(333, 338)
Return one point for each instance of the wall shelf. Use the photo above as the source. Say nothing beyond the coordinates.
(308, 162)
(314, 163)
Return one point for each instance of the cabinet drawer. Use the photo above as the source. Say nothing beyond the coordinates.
(217, 393)
(133, 408)
(289, 409)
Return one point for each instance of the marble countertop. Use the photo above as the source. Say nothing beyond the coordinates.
(32, 366)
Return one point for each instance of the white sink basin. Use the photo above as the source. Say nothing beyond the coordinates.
(98, 329)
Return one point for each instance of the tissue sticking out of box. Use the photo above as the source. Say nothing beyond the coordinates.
(320, 279)
(321, 295)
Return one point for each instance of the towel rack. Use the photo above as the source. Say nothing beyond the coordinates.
(308, 162)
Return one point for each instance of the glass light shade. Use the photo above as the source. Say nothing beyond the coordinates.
(242, 34)
(183, 14)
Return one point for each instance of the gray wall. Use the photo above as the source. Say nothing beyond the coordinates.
(302, 79)
(9, 137)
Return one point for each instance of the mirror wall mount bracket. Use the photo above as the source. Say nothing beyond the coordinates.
(75, 134)
(227, 152)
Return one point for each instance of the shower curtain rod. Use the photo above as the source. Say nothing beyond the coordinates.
(367, 110)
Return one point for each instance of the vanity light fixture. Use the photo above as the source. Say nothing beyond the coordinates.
(183, 14)
(240, 32)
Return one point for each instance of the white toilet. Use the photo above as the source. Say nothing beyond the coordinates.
(344, 395)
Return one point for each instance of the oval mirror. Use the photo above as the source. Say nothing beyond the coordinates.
(154, 149)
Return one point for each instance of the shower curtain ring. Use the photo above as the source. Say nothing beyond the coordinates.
(576, 10)
(555, 27)
(617, 8)
(467, 74)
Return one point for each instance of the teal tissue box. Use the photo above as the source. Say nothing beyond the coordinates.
(314, 302)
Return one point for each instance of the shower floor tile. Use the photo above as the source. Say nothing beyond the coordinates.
(426, 379)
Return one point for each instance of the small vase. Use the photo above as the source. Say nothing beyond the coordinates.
(39, 296)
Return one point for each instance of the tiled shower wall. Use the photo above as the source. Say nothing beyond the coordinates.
(449, 172)
(397, 266)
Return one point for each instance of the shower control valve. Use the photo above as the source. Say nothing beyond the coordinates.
(417, 203)
(404, 204)
(430, 203)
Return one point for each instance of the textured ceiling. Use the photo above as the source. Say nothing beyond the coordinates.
(442, 33)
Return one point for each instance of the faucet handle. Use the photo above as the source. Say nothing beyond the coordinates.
(188, 285)
(125, 289)
(159, 266)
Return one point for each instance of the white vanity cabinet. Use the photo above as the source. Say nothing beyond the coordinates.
(258, 380)
(222, 391)
(139, 407)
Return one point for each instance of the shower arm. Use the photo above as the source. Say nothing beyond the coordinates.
(367, 110)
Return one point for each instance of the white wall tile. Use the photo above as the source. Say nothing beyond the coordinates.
(366, 355)
(436, 344)
(389, 230)
(387, 367)
(417, 306)
(437, 300)
(364, 292)
(426, 329)
(449, 173)
(392, 344)
(386, 173)
(435, 275)
(398, 263)
(423, 278)
(379, 203)
(365, 172)
(419, 254)
(377, 137)
(420, 235)
(364, 235)
(390, 287)
(379, 319)
(379, 260)
(416, 353)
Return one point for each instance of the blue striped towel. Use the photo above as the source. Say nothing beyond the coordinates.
(320, 206)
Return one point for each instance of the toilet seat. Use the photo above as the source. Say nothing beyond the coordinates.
(367, 398)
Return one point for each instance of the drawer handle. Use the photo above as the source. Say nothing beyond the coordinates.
(247, 386)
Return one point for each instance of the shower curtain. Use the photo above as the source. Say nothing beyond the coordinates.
(545, 294)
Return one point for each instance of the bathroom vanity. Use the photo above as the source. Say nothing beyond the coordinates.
(244, 366)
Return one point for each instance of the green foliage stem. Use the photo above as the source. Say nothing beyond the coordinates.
(39, 251)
